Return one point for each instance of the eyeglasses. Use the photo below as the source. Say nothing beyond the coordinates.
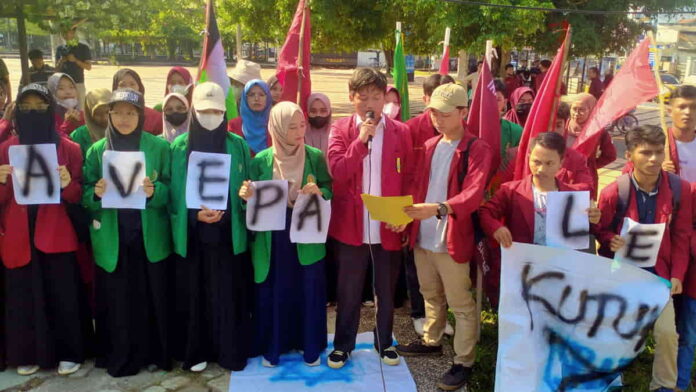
(40, 107)
(130, 113)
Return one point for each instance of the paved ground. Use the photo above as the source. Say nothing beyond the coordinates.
(333, 83)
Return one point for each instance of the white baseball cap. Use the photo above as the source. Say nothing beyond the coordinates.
(208, 95)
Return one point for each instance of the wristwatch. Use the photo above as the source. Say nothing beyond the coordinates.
(442, 210)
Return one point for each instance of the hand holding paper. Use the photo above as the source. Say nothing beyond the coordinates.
(389, 209)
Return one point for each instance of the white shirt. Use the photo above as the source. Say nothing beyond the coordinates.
(372, 180)
(539, 216)
(687, 160)
(432, 231)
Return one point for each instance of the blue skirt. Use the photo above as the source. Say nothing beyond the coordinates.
(290, 311)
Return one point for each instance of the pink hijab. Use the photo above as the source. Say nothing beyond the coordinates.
(319, 137)
(574, 128)
(511, 114)
(184, 74)
(398, 96)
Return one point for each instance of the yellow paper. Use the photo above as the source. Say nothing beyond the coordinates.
(388, 209)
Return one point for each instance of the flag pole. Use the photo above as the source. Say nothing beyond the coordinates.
(658, 80)
(557, 94)
(300, 55)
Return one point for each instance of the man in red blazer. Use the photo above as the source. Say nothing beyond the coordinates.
(368, 153)
(652, 200)
(451, 183)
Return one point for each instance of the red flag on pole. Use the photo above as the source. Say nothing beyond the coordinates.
(482, 112)
(542, 115)
(294, 58)
(444, 63)
(632, 85)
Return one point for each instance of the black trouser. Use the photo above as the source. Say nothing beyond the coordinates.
(414, 294)
(353, 262)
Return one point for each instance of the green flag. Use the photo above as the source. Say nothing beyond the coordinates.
(400, 77)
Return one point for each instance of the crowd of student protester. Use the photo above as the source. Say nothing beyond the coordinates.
(141, 288)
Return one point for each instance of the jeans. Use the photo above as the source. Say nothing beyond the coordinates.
(686, 327)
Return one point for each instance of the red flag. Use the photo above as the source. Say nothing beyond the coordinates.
(484, 108)
(444, 63)
(634, 84)
(542, 115)
(293, 64)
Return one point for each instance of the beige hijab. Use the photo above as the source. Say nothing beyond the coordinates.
(93, 101)
(288, 160)
(574, 128)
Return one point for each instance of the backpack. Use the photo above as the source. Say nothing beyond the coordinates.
(479, 235)
(624, 185)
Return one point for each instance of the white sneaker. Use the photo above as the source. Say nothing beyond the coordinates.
(315, 363)
(67, 367)
(390, 356)
(449, 330)
(27, 370)
(199, 367)
(368, 304)
(266, 363)
(418, 325)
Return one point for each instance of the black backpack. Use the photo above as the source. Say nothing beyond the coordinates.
(624, 185)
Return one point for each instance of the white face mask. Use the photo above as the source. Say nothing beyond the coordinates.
(391, 110)
(210, 121)
(70, 103)
(177, 88)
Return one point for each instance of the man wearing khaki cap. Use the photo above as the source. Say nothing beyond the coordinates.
(450, 188)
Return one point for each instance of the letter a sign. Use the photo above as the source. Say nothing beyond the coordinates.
(35, 177)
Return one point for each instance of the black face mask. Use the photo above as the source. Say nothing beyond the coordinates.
(176, 118)
(523, 109)
(35, 127)
(319, 122)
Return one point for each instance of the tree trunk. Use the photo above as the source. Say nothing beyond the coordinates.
(389, 54)
(22, 36)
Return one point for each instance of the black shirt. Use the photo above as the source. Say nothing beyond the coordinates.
(81, 52)
(40, 75)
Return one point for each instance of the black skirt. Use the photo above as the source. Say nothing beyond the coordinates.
(131, 312)
(212, 301)
(46, 315)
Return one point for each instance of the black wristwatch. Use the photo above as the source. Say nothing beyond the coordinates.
(442, 210)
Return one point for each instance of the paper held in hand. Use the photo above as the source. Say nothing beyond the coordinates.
(388, 209)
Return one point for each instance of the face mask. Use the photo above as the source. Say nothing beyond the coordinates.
(177, 119)
(391, 110)
(209, 121)
(318, 121)
(69, 103)
(177, 88)
(522, 109)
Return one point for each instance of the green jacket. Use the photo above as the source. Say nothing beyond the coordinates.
(155, 220)
(262, 170)
(510, 135)
(82, 137)
(239, 172)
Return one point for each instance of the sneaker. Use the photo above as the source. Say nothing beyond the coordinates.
(369, 304)
(455, 378)
(418, 348)
(419, 325)
(266, 363)
(67, 367)
(315, 363)
(390, 357)
(199, 367)
(337, 359)
(449, 330)
(27, 370)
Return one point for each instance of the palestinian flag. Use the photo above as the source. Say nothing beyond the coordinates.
(213, 67)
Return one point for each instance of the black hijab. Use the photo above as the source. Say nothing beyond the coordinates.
(36, 127)
(116, 140)
(203, 140)
(127, 71)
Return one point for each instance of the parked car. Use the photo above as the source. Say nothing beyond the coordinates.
(669, 84)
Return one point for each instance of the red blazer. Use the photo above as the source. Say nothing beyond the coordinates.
(607, 156)
(512, 206)
(235, 126)
(421, 129)
(673, 257)
(6, 128)
(153, 121)
(690, 283)
(54, 231)
(464, 199)
(575, 171)
(346, 154)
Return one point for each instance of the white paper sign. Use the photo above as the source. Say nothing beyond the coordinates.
(571, 321)
(642, 243)
(267, 209)
(124, 172)
(208, 180)
(310, 220)
(35, 176)
(567, 223)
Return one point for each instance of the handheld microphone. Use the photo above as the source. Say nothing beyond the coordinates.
(369, 115)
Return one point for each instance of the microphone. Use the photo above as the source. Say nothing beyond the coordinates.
(369, 115)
